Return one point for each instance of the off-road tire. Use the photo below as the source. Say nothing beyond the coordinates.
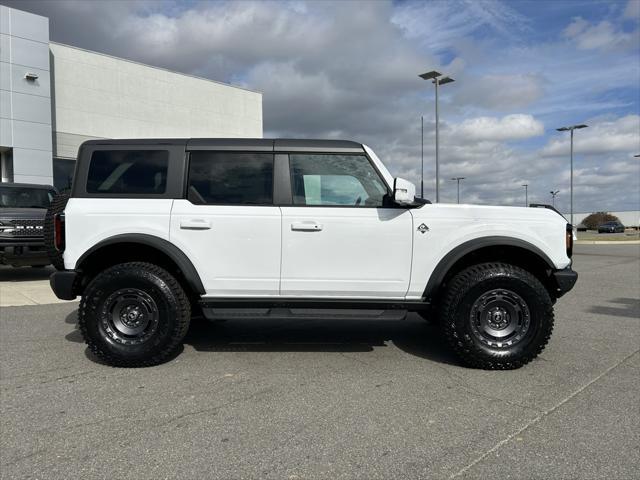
(463, 293)
(157, 288)
(58, 204)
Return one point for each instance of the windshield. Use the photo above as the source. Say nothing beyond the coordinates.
(25, 197)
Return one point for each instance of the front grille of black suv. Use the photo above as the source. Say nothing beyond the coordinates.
(26, 228)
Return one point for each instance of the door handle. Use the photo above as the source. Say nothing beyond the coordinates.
(195, 224)
(306, 226)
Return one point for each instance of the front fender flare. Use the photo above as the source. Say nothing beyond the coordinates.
(450, 259)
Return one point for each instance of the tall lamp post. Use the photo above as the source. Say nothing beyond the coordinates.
(434, 77)
(553, 196)
(526, 194)
(571, 129)
(457, 179)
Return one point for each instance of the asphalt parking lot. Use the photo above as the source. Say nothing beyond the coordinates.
(326, 399)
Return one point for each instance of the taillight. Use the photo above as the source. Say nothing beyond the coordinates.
(569, 240)
(58, 231)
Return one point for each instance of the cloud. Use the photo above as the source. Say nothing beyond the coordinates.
(342, 69)
(620, 135)
(510, 127)
(501, 92)
(632, 10)
(602, 35)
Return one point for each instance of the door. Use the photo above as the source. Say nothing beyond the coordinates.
(339, 238)
(228, 225)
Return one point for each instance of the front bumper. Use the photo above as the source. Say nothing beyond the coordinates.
(63, 283)
(564, 279)
(19, 252)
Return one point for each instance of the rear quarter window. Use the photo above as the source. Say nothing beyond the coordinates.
(142, 172)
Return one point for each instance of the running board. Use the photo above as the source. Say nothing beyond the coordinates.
(229, 308)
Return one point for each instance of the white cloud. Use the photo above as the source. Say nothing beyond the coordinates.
(620, 135)
(632, 10)
(510, 127)
(502, 92)
(603, 35)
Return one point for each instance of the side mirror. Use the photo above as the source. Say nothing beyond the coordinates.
(404, 192)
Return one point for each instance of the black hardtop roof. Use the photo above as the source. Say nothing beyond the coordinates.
(27, 185)
(242, 144)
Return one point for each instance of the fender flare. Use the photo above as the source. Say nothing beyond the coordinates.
(170, 250)
(450, 259)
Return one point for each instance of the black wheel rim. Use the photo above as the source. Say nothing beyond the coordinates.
(500, 318)
(130, 316)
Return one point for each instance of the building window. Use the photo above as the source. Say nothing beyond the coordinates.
(63, 173)
(221, 178)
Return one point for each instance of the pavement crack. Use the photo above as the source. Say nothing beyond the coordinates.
(540, 417)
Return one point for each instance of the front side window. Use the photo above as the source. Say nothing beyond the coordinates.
(228, 178)
(128, 172)
(335, 180)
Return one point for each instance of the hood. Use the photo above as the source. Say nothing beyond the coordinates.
(22, 213)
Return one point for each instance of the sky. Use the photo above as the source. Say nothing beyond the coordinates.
(349, 70)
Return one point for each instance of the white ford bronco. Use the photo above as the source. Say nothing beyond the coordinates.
(154, 231)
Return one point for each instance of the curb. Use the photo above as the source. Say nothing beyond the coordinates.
(607, 242)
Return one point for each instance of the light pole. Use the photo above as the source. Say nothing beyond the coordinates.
(422, 156)
(526, 194)
(571, 129)
(553, 197)
(433, 76)
(457, 179)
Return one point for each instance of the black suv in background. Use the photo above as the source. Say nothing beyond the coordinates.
(22, 210)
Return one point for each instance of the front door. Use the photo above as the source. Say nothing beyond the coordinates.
(339, 239)
(228, 225)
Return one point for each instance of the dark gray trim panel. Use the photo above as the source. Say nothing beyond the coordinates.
(449, 260)
(174, 253)
(175, 173)
(225, 144)
(281, 181)
(317, 146)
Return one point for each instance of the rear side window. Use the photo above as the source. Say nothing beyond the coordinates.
(225, 178)
(141, 172)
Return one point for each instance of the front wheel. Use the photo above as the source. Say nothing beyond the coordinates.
(496, 316)
(134, 315)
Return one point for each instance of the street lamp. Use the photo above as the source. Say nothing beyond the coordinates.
(526, 194)
(434, 77)
(571, 129)
(553, 196)
(457, 179)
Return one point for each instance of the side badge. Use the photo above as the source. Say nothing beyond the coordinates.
(423, 228)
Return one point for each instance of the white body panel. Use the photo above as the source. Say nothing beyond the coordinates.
(88, 221)
(235, 249)
(453, 225)
(311, 251)
(346, 252)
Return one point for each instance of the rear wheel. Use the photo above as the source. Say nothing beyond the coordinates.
(496, 316)
(134, 315)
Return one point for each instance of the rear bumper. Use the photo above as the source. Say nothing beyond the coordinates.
(63, 284)
(565, 279)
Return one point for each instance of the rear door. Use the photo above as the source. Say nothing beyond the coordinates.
(228, 224)
(340, 238)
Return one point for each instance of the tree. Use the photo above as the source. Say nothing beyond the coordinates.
(592, 221)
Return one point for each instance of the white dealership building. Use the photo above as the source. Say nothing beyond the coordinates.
(53, 97)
